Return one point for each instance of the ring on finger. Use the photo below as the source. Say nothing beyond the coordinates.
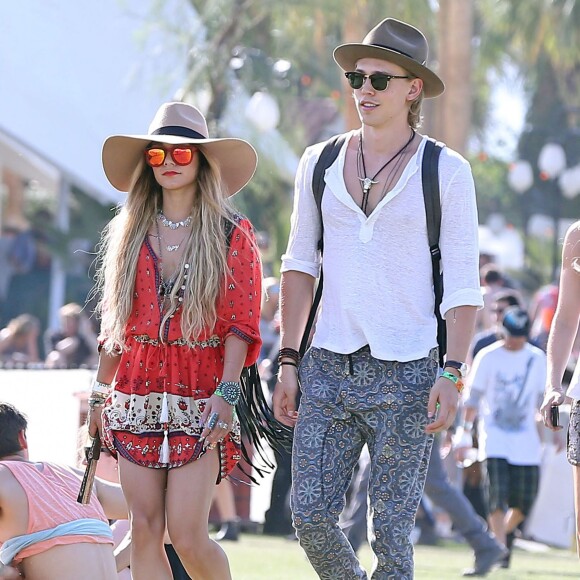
(223, 425)
(213, 418)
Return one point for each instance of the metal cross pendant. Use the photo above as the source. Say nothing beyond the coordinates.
(367, 183)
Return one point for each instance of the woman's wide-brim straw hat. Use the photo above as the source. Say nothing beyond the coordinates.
(175, 124)
(397, 42)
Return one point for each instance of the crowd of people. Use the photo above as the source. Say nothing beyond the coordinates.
(372, 396)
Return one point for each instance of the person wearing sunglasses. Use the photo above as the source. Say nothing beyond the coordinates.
(371, 374)
(179, 287)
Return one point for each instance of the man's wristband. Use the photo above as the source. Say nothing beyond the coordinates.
(454, 379)
(290, 353)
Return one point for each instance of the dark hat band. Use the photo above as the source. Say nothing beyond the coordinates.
(397, 51)
(178, 132)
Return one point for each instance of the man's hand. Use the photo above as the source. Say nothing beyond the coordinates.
(285, 396)
(445, 393)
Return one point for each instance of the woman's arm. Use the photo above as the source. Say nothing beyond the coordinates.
(107, 369)
(565, 324)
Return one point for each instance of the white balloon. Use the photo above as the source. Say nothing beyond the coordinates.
(520, 176)
(570, 182)
(552, 159)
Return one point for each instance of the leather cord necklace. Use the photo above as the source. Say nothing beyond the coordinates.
(368, 182)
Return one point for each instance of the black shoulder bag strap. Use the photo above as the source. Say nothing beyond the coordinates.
(431, 197)
(327, 157)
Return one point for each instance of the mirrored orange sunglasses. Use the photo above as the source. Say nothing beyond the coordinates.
(155, 156)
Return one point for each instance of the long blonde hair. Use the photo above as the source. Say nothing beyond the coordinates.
(205, 252)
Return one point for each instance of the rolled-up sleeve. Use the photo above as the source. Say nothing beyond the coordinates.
(459, 241)
(240, 310)
(302, 253)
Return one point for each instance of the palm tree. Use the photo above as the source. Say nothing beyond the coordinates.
(452, 119)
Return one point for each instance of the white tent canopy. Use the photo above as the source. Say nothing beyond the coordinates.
(66, 71)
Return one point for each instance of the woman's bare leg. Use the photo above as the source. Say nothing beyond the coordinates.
(225, 501)
(190, 491)
(144, 489)
(576, 475)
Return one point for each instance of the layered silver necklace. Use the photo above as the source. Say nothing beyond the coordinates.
(173, 225)
(166, 286)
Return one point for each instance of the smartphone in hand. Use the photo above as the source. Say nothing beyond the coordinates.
(555, 415)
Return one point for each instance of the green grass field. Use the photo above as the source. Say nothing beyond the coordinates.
(257, 557)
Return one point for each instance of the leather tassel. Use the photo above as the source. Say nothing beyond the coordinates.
(257, 423)
(164, 453)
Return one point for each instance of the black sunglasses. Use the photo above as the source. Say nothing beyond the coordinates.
(379, 81)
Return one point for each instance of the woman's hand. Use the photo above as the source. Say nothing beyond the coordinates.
(553, 397)
(217, 419)
(95, 420)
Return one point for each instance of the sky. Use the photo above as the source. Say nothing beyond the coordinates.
(74, 73)
(507, 115)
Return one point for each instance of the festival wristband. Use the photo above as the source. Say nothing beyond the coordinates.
(454, 379)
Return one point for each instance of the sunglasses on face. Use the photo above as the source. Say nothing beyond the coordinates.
(379, 81)
(155, 156)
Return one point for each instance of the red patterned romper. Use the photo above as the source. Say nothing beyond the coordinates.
(184, 372)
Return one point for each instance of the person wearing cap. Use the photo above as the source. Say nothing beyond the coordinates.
(371, 373)
(506, 385)
(561, 341)
(179, 284)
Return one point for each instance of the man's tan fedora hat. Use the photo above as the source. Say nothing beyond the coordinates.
(179, 123)
(397, 42)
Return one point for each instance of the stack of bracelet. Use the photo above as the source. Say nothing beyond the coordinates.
(99, 394)
(290, 353)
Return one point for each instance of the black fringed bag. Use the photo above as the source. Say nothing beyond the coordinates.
(257, 421)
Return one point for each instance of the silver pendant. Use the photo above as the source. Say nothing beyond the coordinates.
(367, 183)
(173, 248)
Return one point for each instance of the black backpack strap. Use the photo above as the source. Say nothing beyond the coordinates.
(325, 160)
(431, 197)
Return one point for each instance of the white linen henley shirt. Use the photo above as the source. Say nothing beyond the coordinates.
(378, 284)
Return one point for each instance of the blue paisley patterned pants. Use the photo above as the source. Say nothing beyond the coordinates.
(347, 401)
